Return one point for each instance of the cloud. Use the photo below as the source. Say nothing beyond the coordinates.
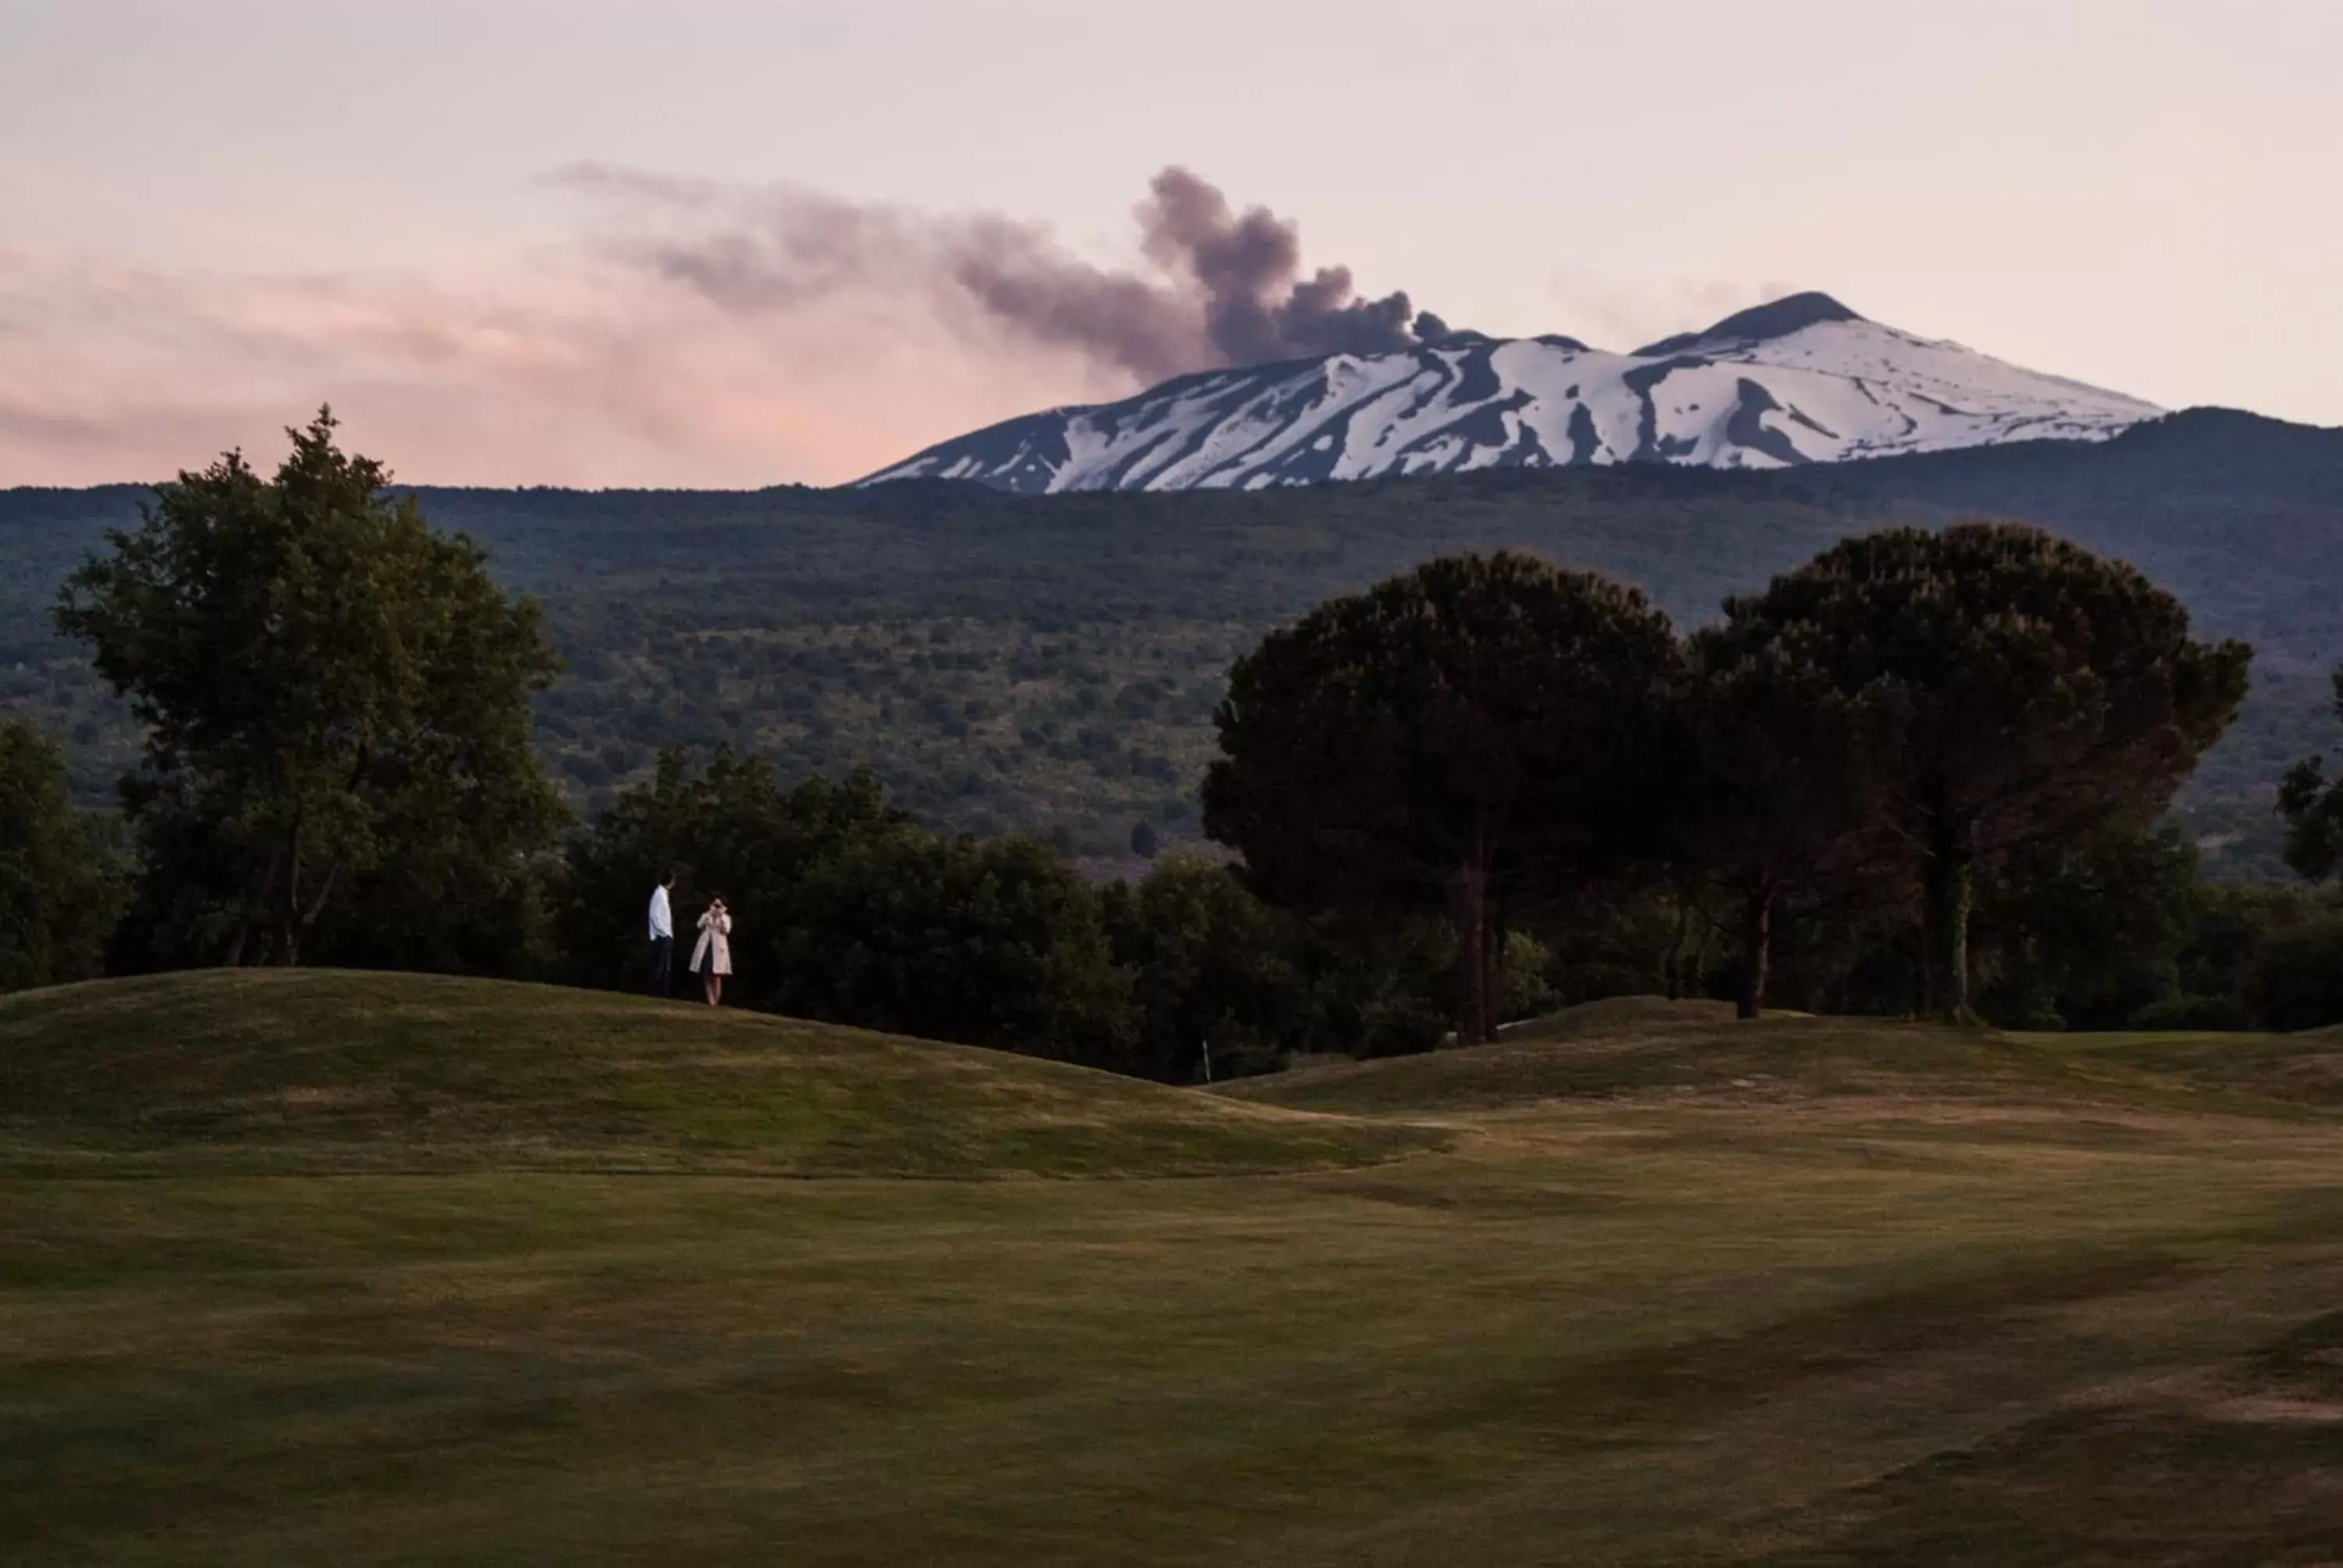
(687, 333)
(555, 374)
(1225, 287)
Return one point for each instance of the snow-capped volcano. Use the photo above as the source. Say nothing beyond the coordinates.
(1802, 380)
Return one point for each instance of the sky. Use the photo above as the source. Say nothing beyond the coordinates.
(704, 243)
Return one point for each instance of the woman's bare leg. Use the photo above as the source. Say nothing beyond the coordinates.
(715, 989)
(707, 985)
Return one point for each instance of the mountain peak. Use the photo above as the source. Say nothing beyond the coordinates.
(1758, 389)
(1779, 318)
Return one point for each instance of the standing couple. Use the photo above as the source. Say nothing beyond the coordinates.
(711, 959)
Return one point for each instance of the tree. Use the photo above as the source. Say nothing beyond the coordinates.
(2312, 806)
(729, 827)
(1778, 786)
(988, 941)
(1465, 735)
(2039, 694)
(2297, 978)
(336, 702)
(58, 892)
(2085, 934)
(1209, 961)
(846, 910)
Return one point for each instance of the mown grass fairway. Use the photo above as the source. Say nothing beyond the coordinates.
(329, 1074)
(368, 1270)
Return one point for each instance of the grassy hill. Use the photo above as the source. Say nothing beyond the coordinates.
(322, 1071)
(1642, 1047)
(1670, 1290)
(2304, 1069)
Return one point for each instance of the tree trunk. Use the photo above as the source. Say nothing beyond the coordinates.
(1757, 950)
(1674, 978)
(1472, 898)
(288, 929)
(1493, 968)
(1949, 886)
(305, 921)
(255, 909)
(301, 919)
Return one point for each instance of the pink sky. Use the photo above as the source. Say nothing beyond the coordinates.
(217, 214)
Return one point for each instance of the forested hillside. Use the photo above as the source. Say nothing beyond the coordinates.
(1052, 663)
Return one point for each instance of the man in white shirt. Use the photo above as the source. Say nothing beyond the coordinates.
(662, 937)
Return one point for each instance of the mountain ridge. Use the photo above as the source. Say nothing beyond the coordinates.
(1759, 323)
(1798, 380)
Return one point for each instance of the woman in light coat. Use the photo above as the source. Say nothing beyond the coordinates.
(712, 957)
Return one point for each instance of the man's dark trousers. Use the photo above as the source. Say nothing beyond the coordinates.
(662, 964)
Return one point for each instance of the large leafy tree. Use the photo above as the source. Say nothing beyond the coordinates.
(337, 702)
(2039, 694)
(58, 889)
(1466, 736)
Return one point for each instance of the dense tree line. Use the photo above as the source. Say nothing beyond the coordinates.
(1050, 664)
(59, 873)
(1922, 773)
(1891, 722)
(846, 910)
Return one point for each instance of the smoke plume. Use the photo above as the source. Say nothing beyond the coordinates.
(1227, 287)
(688, 332)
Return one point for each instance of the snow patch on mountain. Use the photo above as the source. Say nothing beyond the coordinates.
(1800, 380)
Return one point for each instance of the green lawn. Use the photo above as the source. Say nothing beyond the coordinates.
(386, 1270)
(316, 1072)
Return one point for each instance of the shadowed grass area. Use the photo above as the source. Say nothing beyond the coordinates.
(316, 1071)
(2079, 1316)
(1643, 1047)
(2241, 1463)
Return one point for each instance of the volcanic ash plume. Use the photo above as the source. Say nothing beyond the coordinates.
(1256, 305)
(1229, 287)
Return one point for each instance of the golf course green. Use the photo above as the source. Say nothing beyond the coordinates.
(369, 1269)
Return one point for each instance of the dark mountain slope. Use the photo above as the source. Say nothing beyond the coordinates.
(1051, 661)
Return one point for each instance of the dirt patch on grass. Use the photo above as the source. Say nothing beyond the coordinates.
(2273, 1408)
